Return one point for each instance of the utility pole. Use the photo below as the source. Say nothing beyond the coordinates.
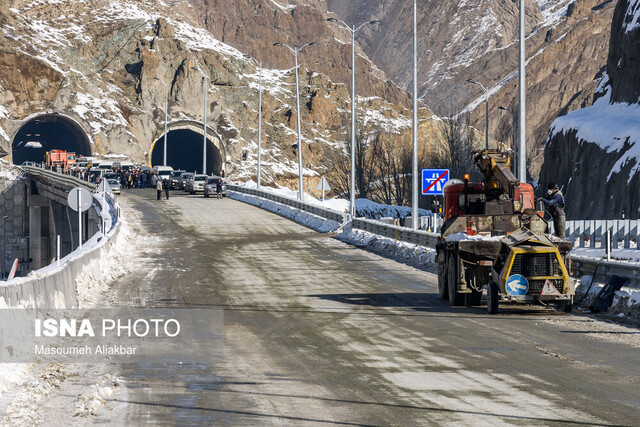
(414, 191)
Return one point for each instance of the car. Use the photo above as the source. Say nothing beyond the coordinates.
(211, 187)
(111, 175)
(160, 172)
(196, 185)
(114, 185)
(175, 179)
(184, 179)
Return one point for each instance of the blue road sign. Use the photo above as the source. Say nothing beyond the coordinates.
(433, 181)
(517, 285)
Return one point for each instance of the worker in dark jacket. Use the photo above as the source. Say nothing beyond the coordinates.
(555, 203)
(166, 184)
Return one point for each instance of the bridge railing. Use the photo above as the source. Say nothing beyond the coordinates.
(56, 179)
(624, 233)
(339, 217)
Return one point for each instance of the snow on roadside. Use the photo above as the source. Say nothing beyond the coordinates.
(390, 248)
(314, 222)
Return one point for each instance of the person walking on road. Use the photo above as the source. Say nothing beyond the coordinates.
(166, 187)
(159, 188)
(219, 188)
(555, 202)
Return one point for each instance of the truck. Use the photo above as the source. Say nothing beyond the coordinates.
(61, 158)
(494, 239)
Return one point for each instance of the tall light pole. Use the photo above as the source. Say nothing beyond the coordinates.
(295, 50)
(486, 112)
(204, 122)
(414, 195)
(522, 149)
(515, 138)
(166, 109)
(4, 244)
(259, 115)
(353, 30)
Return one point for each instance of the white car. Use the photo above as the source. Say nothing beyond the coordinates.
(114, 185)
(197, 184)
(211, 187)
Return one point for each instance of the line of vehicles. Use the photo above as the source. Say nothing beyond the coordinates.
(189, 182)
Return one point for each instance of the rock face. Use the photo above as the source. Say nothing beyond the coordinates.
(594, 153)
(566, 50)
(102, 64)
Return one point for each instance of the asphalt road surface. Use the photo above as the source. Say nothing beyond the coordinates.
(318, 332)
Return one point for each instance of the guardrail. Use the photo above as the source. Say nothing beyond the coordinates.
(332, 215)
(587, 266)
(587, 233)
(58, 180)
(403, 234)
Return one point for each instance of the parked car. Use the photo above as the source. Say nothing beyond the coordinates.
(211, 187)
(161, 173)
(175, 179)
(184, 180)
(196, 185)
(114, 185)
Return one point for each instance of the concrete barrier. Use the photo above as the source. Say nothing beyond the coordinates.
(54, 286)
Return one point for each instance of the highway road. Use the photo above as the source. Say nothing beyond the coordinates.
(318, 332)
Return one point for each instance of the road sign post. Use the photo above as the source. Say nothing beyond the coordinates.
(433, 181)
(79, 199)
(323, 186)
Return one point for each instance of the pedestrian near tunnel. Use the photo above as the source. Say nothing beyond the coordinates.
(555, 203)
(166, 184)
(159, 188)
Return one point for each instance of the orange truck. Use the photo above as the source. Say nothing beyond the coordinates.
(60, 158)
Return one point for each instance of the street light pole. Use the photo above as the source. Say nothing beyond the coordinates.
(295, 52)
(352, 190)
(166, 109)
(204, 122)
(522, 149)
(486, 112)
(414, 198)
(259, 116)
(515, 139)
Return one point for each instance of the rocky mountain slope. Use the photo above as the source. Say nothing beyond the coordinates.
(461, 39)
(594, 153)
(99, 62)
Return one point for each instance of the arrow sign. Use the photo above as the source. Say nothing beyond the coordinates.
(433, 181)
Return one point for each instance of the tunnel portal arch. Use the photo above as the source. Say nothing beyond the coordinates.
(184, 148)
(48, 131)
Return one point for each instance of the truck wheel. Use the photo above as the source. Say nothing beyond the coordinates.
(567, 306)
(455, 298)
(442, 282)
(492, 298)
(474, 298)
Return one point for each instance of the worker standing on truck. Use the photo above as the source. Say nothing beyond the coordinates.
(555, 201)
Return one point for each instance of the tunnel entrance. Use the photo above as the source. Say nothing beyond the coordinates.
(48, 132)
(184, 151)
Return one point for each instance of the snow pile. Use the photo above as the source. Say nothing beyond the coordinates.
(314, 222)
(629, 255)
(626, 301)
(8, 171)
(613, 126)
(632, 20)
(401, 251)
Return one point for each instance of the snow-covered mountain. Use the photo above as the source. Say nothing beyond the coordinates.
(461, 39)
(102, 65)
(595, 151)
